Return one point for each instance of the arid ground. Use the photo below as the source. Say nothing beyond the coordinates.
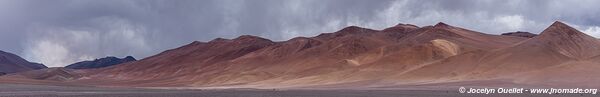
(19, 90)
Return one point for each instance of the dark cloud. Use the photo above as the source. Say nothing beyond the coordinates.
(59, 32)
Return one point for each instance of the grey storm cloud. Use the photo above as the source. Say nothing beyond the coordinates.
(60, 32)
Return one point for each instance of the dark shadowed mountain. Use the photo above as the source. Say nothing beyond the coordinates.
(10, 63)
(99, 63)
(520, 34)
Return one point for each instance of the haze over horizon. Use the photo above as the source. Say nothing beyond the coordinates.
(61, 32)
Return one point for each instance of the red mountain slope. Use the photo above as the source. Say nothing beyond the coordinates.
(355, 57)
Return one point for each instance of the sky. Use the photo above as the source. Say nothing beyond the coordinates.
(60, 32)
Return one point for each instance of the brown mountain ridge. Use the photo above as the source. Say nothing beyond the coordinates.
(356, 57)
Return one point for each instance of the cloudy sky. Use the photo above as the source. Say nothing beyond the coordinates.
(60, 32)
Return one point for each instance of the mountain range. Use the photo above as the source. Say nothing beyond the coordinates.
(356, 57)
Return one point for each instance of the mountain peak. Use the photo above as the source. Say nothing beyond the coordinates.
(129, 58)
(247, 36)
(400, 27)
(351, 29)
(251, 38)
(569, 41)
(558, 23)
(560, 29)
(441, 24)
(406, 25)
(219, 40)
